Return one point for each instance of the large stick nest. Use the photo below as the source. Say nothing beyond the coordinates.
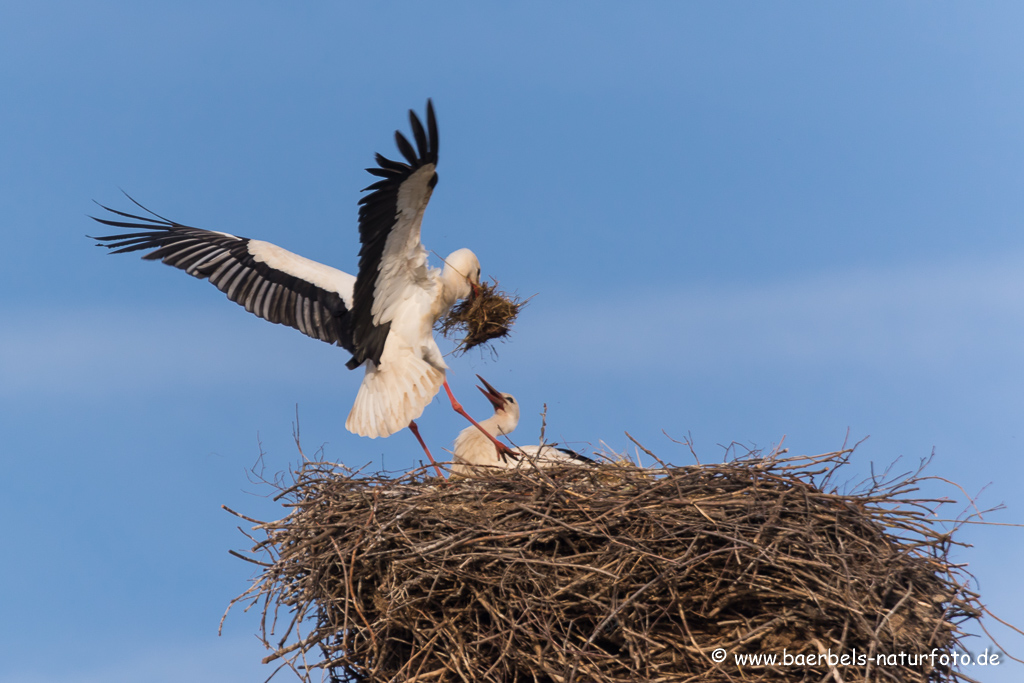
(613, 573)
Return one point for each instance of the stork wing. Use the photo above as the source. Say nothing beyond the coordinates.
(569, 456)
(392, 260)
(275, 284)
(547, 455)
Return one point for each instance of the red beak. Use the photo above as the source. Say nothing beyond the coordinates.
(492, 394)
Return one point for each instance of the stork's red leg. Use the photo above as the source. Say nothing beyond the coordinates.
(503, 450)
(416, 430)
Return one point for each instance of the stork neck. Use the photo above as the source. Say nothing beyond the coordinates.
(455, 285)
(492, 425)
(495, 427)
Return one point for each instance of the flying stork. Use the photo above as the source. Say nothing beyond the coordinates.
(474, 453)
(383, 316)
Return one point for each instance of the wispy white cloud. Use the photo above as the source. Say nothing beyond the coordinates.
(95, 352)
(924, 317)
(224, 660)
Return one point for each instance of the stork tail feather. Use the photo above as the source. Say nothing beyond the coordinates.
(393, 394)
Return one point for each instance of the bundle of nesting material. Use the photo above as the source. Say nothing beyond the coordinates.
(610, 573)
(485, 315)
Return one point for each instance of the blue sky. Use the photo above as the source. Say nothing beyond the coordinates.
(740, 221)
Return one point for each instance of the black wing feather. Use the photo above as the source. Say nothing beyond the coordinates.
(418, 134)
(432, 131)
(406, 149)
(397, 167)
(225, 260)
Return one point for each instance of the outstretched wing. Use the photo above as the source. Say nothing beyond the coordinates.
(269, 281)
(392, 261)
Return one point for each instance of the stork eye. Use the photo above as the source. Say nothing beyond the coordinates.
(510, 399)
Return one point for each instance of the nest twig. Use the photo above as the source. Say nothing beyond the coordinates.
(613, 573)
(486, 315)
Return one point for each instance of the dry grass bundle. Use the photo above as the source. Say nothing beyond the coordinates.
(487, 314)
(554, 576)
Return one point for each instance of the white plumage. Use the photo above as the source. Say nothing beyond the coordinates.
(475, 453)
(384, 315)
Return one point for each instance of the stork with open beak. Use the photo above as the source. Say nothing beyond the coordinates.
(474, 453)
(384, 316)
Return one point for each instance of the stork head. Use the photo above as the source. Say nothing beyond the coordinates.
(462, 271)
(504, 404)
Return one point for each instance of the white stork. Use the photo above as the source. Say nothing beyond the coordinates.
(384, 316)
(474, 453)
